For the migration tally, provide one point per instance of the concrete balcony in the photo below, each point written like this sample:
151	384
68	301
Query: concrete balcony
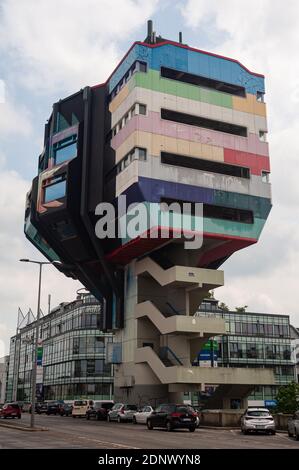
180	275
204	327
201	375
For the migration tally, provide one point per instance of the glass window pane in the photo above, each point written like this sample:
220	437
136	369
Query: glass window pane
142	154
55	191
142	109
65	153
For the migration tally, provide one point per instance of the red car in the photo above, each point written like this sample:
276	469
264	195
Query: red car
10	410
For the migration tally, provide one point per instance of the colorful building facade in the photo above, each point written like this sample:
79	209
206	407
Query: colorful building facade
172	124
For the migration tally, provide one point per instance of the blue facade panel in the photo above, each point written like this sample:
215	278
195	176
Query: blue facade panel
152	190
190	61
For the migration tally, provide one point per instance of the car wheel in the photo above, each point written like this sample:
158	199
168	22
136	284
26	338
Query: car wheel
118	419
245	432
134	420
149	425
19	417
108	419
88	417
273	433
192	428
169	426
296	434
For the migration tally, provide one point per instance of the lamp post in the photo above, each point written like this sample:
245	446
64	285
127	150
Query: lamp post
34	363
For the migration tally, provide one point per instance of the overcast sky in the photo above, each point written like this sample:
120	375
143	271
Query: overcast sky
50	49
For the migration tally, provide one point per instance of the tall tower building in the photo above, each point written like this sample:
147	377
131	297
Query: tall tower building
172	124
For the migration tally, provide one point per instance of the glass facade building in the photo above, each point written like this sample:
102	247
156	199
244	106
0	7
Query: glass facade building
73	352
260	340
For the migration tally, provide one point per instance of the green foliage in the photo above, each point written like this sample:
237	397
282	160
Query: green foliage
224	307
288	398
241	309
210	294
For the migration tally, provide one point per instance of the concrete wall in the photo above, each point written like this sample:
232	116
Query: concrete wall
232	418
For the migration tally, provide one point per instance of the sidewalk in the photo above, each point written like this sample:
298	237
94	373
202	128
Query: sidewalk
20	427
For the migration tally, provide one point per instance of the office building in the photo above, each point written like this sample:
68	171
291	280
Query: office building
71	360
172	124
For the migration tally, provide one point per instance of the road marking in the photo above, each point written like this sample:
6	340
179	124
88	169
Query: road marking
113	444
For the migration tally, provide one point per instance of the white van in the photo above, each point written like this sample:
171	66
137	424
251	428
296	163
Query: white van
79	408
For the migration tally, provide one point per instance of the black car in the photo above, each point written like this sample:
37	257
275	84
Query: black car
54	407
99	410
65	409
40	407
172	416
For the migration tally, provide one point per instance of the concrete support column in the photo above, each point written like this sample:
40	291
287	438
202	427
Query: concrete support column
175	397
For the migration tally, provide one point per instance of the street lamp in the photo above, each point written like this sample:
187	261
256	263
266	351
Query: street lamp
34	364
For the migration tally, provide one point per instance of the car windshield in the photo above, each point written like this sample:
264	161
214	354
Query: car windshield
107	406
258	413
80	403
131	407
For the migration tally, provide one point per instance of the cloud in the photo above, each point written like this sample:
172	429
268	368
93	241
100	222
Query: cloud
14	119
265	39
2	91
18	282
66	44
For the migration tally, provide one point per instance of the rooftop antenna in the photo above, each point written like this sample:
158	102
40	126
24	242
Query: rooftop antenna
180	37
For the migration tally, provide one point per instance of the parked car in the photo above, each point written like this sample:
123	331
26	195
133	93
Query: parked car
121	412
293	426
140	417
79	408
172	416
197	412
54	407
10	410
99	410
257	419
65	409
41	407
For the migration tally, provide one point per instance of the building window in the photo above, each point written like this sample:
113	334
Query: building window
260	96
142	109
204	165
65	149
202	81
55	191
137	66
228	213
265	177
206	123
263	136
137	153
136	109
214	212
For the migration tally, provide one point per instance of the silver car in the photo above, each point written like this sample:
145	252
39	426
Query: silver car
293	426
140	417
121	412
257	419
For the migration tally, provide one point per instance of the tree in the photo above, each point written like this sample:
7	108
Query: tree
288	398
210	294
241	309
224	307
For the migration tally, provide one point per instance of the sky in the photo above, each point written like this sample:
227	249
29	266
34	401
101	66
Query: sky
50	49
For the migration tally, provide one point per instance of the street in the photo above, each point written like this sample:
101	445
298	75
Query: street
69	433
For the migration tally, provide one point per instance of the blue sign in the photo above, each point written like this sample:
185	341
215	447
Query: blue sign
270	403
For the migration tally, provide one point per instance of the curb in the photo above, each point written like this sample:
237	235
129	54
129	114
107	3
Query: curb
22	428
